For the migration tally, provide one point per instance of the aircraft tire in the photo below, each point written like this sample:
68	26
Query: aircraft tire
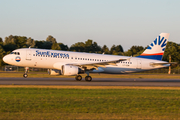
88	78
78	77
25	75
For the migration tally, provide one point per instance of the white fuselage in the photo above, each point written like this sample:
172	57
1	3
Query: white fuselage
42	58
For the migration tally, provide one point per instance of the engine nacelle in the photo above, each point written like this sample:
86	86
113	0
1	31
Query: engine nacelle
69	70
54	72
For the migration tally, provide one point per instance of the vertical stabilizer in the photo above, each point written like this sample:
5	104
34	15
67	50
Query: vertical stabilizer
156	49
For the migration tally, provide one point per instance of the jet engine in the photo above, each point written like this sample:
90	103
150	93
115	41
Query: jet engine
70	70
54	72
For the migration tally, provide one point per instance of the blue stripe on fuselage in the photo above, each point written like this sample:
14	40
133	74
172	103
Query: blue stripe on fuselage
155	57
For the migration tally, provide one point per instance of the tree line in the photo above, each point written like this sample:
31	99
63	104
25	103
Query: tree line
11	43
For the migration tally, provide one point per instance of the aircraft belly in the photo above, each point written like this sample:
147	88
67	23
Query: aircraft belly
120	70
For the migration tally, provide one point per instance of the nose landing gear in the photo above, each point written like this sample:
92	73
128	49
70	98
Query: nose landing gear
26	71
25	75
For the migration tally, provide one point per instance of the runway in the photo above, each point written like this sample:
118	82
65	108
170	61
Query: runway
94	82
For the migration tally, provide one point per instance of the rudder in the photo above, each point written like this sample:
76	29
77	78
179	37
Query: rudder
156	49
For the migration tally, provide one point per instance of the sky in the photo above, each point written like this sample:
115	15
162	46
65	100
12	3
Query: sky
107	22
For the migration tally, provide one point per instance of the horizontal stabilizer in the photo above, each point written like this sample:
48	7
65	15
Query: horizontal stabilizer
158	64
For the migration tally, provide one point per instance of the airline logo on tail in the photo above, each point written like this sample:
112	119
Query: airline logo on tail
156	49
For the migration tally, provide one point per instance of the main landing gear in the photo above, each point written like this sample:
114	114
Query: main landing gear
78	77
26	71
87	78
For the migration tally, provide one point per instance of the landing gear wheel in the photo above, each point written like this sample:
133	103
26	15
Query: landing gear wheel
78	77
25	75
88	78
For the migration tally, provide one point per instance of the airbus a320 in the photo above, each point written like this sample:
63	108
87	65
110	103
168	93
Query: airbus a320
76	63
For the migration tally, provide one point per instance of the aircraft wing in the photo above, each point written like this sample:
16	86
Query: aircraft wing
98	64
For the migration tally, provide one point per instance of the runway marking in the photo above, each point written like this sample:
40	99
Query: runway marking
88	87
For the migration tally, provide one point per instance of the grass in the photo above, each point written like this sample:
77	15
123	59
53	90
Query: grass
60	103
94	75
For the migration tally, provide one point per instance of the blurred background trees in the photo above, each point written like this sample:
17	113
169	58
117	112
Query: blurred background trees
116	50
88	46
11	43
134	51
172	49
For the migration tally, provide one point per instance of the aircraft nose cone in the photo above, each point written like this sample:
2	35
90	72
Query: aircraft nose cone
5	59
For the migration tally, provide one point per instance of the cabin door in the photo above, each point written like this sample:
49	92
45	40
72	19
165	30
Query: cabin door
139	64
28	54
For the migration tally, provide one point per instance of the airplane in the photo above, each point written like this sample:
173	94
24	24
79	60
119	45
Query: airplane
75	63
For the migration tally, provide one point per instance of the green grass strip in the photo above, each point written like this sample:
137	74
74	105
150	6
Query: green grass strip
61	103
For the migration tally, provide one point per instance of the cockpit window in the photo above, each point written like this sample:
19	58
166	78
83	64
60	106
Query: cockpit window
15	53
